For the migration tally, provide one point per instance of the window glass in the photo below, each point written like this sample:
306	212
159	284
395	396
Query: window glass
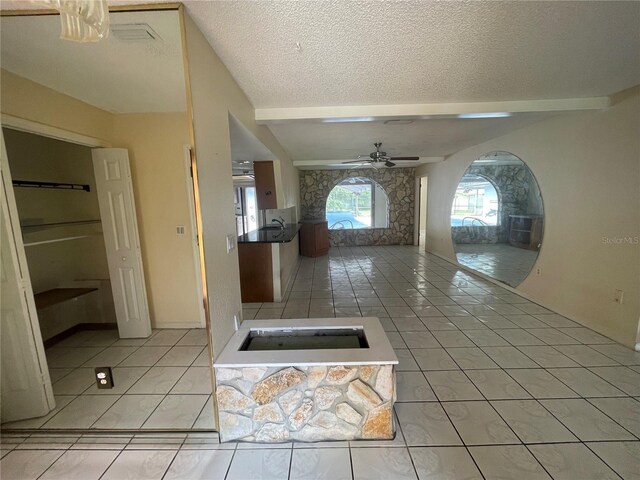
475	203
357	203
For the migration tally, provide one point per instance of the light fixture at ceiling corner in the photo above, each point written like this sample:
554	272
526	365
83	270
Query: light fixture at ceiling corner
347	119
81	20
399	121
485	115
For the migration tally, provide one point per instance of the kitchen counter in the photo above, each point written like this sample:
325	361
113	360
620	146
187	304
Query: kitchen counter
270	236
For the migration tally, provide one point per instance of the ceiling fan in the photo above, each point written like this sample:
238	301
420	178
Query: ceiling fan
379	159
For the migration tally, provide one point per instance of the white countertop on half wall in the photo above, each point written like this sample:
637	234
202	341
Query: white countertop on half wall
380	351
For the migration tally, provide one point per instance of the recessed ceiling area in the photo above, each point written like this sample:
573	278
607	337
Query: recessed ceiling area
422	138
117	74
245	148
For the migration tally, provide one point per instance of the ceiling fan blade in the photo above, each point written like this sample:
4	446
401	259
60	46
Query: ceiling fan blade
413	159
357	161
389	164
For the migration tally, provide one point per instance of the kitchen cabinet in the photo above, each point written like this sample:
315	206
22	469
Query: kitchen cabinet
256	272
314	238
265	185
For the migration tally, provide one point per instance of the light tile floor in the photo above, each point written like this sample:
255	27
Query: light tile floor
495	387
162	382
501	261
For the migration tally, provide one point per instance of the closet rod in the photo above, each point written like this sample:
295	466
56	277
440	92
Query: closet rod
55	185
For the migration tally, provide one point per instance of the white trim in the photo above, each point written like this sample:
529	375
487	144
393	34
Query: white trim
486	277
370	113
194	234
292	273
29	126
416	212
275	272
379	352
524	295
178	325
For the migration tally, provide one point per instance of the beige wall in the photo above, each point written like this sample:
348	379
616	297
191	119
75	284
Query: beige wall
25	99
155	142
215	94
588	168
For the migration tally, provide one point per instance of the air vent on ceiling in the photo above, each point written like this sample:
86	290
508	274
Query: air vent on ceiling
134	32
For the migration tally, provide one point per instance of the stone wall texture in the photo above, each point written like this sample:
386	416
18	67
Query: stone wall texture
308	404
399	185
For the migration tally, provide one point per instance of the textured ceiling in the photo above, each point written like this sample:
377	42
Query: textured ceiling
384	52
115	75
355	53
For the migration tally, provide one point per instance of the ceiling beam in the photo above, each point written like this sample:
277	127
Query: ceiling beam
370	113
333	163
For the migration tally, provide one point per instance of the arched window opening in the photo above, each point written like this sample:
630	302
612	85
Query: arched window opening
355	203
476	203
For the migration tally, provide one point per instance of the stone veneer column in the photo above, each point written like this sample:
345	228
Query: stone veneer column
306	403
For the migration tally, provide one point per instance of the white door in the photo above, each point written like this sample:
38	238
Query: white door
120	227
24	375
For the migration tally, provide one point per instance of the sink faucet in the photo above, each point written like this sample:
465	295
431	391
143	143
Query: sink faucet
280	222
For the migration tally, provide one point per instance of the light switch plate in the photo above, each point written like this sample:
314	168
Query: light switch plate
231	242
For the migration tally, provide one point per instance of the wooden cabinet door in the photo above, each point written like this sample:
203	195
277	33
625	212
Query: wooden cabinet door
265	185
321	238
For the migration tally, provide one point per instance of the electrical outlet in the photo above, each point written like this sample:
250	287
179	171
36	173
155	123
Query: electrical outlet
619	297
538	271
180	230
104	378
231	242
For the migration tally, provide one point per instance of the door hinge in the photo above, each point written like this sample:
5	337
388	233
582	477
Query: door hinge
191	170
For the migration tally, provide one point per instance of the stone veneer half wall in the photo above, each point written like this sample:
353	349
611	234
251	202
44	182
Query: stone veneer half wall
308	404
399	185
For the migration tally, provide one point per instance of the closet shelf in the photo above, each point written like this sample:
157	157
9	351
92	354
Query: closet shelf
53	185
59	295
56	240
60	224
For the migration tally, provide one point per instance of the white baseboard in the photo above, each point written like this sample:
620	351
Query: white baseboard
292	275
178	325
525	295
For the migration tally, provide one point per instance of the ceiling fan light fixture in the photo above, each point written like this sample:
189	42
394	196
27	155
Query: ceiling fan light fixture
399	121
